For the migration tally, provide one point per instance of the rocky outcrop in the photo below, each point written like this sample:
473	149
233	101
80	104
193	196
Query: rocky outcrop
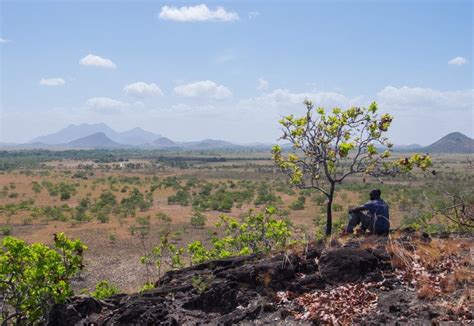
227	291
340	285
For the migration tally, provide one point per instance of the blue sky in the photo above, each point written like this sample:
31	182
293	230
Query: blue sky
228	70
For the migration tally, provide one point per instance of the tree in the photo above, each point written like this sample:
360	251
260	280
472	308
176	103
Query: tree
327	148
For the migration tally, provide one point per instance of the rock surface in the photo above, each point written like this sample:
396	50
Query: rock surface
253	289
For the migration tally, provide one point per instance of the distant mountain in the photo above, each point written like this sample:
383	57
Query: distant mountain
27	146
411	147
95	141
73	132
163	142
208	144
136	136
454	142
102	136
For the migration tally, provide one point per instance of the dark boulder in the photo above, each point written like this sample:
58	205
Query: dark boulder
342	265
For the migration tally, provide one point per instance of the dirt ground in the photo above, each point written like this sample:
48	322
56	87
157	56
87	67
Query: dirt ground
113	252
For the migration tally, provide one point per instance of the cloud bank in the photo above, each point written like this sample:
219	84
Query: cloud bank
198	13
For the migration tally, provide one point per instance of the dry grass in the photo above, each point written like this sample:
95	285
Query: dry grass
436	268
427	292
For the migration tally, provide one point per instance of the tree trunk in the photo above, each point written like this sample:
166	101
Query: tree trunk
329	211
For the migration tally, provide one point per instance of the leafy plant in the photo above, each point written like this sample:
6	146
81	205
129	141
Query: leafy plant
36	187
201	283
6	230
198	219
34	277
104	289
163	253
147	286
299	203
165	218
258	232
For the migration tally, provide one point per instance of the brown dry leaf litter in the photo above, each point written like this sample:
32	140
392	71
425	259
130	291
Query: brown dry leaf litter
338	306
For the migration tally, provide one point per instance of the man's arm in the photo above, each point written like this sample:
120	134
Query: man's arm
358	209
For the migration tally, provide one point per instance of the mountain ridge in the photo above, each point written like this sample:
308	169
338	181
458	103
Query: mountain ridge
135	136
454	142
74	136
98	140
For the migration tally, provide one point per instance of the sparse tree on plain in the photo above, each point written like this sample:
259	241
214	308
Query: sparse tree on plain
329	147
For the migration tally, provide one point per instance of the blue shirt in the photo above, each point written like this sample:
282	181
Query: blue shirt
379	209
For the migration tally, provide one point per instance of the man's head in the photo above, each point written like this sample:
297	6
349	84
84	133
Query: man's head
375	194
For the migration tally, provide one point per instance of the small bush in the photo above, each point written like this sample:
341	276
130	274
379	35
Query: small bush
198	219
297	205
104	289
6	230
163	217
65	196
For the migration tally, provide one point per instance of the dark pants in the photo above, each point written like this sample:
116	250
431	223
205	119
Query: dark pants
366	222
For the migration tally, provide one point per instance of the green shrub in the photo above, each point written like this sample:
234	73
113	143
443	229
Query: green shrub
319	200
182	197
143	227
135	200
103	290
102	216
13	195
198	219
38	277
65	196
265	196
260	232
146	287
297	205
163	217
6	230
36	187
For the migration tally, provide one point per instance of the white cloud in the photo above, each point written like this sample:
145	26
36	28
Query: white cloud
203	88
92	60
52	81
3	40
262	84
283	98
458	61
409	98
253	14
106	104
198	13
142	89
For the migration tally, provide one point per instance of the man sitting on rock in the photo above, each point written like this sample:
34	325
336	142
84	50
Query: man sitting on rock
372	216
